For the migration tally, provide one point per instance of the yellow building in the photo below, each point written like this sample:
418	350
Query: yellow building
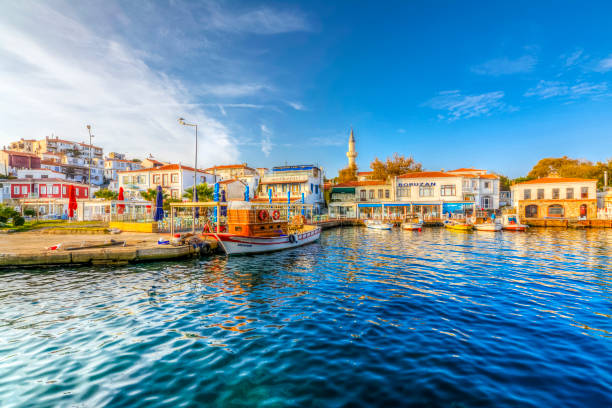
556	197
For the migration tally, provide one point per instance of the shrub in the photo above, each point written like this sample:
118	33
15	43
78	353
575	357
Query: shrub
18	221
29	212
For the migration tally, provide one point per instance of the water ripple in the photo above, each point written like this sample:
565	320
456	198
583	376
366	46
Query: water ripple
363	318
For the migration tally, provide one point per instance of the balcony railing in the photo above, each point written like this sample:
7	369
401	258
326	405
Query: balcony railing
284	178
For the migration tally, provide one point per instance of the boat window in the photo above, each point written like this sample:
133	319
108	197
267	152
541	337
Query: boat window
238	228
555	210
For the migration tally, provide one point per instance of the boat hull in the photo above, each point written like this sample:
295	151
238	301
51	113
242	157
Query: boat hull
515	227
412	226
488	227
459	227
234	244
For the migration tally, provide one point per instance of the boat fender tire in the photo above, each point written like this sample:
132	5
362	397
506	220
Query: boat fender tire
292	238
276	215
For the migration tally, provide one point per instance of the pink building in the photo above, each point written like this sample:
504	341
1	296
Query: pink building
44	188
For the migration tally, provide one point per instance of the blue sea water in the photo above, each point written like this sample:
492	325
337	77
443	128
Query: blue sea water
361	318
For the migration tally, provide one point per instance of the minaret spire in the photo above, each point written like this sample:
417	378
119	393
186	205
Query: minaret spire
351	154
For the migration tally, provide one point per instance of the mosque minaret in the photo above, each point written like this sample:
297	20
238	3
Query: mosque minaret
351	154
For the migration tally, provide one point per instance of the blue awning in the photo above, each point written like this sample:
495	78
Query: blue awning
368	205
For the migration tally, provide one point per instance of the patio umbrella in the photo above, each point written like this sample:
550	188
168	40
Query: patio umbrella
303	210
120	207
72	202
159	205
195	200
270	196
246	193
288	204
224	208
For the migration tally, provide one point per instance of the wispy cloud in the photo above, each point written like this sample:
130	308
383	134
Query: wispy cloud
296	105
232	90
338	140
605	64
573	58
261	20
506	66
458	106
266	140
59	80
552	89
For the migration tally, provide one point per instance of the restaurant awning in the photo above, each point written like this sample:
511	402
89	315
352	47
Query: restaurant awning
347	190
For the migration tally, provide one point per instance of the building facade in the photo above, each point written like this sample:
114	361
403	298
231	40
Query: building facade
115	163
173	178
11	161
43	188
293	181
556	197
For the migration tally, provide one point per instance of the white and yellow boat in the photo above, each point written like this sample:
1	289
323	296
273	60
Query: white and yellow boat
458	226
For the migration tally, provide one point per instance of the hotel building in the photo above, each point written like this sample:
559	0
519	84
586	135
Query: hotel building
174	179
294	180
556	197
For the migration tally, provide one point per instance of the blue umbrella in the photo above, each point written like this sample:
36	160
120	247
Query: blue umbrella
270	196
224	208
288	203
216	199
195	199
246	193
159	205
303	210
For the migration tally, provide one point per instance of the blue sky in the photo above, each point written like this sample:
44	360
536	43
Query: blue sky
487	84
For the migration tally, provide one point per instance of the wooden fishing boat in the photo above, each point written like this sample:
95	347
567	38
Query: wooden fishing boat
412	223
458	226
510	222
488	226
256	228
377	224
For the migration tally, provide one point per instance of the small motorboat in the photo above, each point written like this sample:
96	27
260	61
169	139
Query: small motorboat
510	222
378	224
412	223
488	226
458	225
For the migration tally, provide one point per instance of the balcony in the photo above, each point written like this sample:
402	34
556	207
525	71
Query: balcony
284	178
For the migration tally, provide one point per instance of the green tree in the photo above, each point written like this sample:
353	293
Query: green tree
29	212
568	167
106	194
347	174
151	195
205	193
8	213
394	166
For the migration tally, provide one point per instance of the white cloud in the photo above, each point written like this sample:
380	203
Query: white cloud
573	58
458	106
232	90
266	142
605	64
552	89
57	75
296	105
505	66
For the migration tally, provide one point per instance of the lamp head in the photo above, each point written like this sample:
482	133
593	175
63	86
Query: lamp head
88	127
181	121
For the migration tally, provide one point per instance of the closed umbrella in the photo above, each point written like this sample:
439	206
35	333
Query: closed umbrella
72	202
224	208
303	209
158	215
195	200
120	207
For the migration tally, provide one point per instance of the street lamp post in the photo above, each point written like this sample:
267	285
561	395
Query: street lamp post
90	136
195	170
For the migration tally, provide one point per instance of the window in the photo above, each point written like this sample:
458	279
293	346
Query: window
15	189
142	179
311	187
466	184
387	195
126	179
569	193
24	189
486	202
317	189
555	194
44	176
555	210
43	189
55	190
426	191
29	176
584	192
63	189
175	178
174	193
540	193
156	179
403	192
380	193
448	190
527	194
371	194
362	195
165	179
77	191
284	188
487	184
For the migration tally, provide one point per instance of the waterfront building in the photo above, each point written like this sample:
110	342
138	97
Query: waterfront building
41	173
298	179
242	172
173	178
12	160
556	197
41	188
116	162
360	199
234	189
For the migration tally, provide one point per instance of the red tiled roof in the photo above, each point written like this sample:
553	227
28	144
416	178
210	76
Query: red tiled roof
466	169
20	153
364	173
431	174
230	166
43	180
548	180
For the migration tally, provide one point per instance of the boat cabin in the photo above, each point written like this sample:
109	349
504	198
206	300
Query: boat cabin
249	219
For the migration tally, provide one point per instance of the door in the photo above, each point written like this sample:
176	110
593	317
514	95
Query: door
531	211
583	211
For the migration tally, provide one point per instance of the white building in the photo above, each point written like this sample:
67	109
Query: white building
41	173
113	164
298	180
174	179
